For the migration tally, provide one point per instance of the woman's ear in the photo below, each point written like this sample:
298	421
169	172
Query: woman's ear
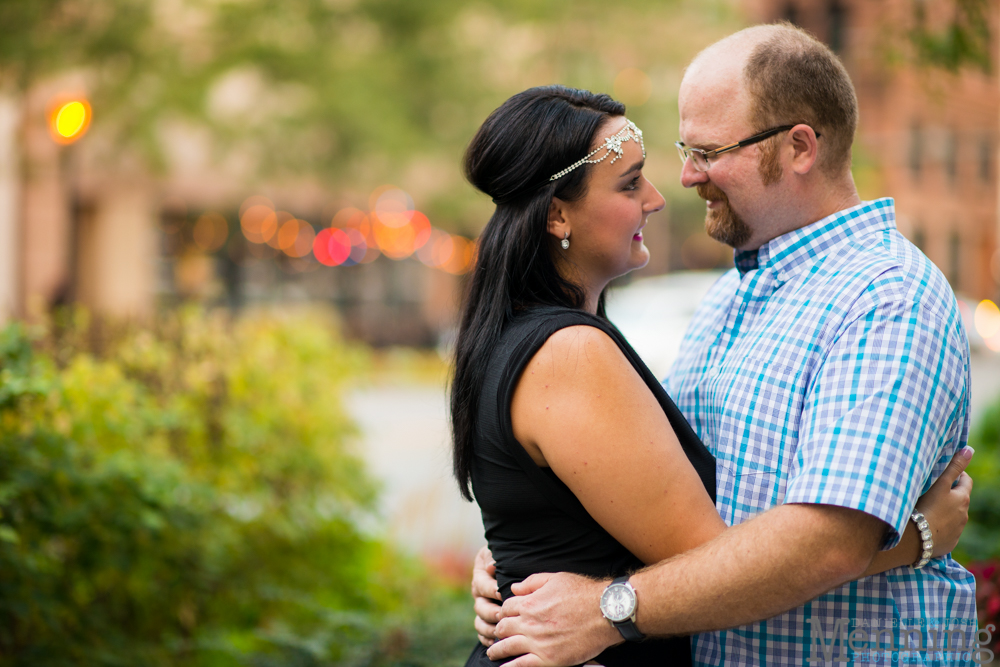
558	225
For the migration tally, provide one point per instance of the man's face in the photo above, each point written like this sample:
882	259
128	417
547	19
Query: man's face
713	114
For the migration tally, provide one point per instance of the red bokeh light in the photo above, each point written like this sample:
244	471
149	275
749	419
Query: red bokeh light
332	246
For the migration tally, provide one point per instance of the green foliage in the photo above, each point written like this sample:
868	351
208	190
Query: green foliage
964	41
981	538
182	495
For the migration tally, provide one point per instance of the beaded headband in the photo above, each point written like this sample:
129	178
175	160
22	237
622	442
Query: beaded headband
612	143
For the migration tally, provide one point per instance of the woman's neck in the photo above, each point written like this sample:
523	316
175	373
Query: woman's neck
591	291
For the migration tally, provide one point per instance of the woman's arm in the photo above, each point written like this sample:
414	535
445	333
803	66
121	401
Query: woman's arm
947	511
582	409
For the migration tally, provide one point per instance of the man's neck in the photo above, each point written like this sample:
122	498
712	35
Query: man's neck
810	206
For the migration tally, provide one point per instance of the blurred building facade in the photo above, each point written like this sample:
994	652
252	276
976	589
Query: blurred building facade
927	137
120	241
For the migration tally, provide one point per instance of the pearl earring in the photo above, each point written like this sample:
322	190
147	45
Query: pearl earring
565	242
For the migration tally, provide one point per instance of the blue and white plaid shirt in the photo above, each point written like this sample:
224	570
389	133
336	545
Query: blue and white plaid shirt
831	367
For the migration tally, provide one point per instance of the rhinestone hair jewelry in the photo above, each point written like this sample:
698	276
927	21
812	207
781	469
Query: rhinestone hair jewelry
611	144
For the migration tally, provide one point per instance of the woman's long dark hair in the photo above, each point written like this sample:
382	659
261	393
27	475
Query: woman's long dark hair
531	136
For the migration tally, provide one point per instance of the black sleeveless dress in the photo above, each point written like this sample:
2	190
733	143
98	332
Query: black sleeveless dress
533	521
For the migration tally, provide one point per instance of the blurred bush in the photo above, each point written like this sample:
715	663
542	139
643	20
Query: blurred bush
182	494
981	539
979	548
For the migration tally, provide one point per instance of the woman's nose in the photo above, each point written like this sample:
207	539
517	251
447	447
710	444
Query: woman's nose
655	202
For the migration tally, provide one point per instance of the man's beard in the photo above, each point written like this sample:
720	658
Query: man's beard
722	223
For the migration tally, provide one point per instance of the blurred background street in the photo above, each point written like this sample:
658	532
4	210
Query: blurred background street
234	235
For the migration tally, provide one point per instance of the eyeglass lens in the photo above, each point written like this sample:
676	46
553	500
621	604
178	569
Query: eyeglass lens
698	158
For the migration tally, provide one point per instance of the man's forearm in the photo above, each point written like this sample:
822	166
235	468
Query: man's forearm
759	569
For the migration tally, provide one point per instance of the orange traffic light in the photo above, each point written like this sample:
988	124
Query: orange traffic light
69	120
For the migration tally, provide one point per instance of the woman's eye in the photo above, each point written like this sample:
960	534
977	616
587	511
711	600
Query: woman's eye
634	183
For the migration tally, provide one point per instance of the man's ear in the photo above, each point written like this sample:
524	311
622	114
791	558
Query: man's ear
558	224
805	148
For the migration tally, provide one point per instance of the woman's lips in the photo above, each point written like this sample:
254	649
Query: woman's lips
637	236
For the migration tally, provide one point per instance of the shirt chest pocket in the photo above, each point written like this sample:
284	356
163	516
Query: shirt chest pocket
757	435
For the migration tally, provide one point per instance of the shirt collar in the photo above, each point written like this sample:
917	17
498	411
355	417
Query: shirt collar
787	254
746	261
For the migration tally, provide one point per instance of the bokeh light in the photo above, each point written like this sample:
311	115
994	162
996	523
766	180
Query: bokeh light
332	246
69	120
192	273
462	256
280	218
210	232
394	242
426	253
258	220
255	200
448	252
359	246
987	319
391	227
633	87
392	205
350	217
295	237
357	225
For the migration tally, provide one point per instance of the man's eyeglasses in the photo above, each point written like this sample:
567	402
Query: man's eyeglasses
701	158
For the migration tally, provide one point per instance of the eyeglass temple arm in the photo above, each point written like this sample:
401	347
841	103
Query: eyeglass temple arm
751	140
723	149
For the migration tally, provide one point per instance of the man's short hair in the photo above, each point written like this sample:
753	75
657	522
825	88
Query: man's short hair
792	77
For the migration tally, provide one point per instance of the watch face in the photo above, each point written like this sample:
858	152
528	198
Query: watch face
618	602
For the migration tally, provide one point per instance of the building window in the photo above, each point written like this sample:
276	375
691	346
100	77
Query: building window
951	156
916	151
955	260
985	159
837	21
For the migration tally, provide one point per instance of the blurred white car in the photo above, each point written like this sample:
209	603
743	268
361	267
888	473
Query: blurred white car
653	313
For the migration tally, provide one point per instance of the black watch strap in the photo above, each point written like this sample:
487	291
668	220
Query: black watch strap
627	627
629	631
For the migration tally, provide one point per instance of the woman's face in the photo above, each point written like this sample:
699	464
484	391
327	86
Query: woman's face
605	225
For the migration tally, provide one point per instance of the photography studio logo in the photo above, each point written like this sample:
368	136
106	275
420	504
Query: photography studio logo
899	641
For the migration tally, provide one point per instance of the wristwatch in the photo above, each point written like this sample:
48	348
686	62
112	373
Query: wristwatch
619	604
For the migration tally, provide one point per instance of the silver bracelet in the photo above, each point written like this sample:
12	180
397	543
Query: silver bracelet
926	536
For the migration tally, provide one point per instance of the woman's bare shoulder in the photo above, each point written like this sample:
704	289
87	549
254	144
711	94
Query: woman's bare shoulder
577	351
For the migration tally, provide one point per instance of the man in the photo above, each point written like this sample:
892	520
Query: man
828	373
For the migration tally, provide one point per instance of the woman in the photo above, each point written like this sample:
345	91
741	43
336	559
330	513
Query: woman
578	459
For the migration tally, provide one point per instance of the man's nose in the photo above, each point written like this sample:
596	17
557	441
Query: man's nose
690	176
